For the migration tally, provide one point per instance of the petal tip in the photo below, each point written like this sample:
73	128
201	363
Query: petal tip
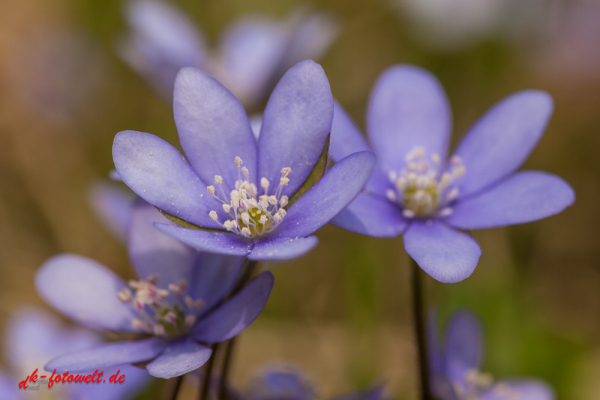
408	71
123	135
313	73
445	254
48	267
570	196
186	73
123	140
535	98
310	64
269	278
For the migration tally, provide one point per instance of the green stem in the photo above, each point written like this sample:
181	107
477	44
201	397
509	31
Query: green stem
418	311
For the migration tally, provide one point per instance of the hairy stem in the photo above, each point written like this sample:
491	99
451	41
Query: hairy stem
205	389
418	312
225	370
175	386
248	271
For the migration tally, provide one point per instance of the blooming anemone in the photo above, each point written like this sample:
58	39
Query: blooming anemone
170	314
283	381
243	188
113	206
417	191
250	55
33	337
456	367
452	25
57	73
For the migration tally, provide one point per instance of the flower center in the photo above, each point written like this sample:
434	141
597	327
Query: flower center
251	215
476	382
420	189
161	312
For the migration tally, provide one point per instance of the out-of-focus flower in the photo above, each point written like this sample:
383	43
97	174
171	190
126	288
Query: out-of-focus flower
113	206
33	337
287	382
58	73
454	24
419	192
569	44
456	366
251	54
216	136
173	310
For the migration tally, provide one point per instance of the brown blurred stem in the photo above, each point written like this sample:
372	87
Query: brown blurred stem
205	389
225	370
247	273
175	386
418	312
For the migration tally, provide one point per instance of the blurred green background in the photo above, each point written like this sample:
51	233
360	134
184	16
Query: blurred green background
341	312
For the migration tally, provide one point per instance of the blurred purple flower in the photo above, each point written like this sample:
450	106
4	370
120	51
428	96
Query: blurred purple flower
34	336
450	25
417	192
175	309
569	43
113	206
57	72
286	382
216	136
251	54
455	367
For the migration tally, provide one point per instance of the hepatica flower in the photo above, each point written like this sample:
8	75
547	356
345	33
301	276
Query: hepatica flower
58	73
283	381
171	313
451	25
420	192
252	52
235	184
113	206
456	367
567	44
33	336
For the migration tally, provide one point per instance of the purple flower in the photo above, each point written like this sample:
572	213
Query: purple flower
215	134
283	381
32	337
566	49
453	25
113	206
417	191
57	73
456	366
174	309
250	55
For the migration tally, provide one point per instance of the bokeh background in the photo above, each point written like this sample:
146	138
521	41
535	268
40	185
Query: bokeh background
341	312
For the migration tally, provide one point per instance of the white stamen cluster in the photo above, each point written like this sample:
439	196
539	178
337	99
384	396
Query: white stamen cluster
251	215
476	382
161	312
421	189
